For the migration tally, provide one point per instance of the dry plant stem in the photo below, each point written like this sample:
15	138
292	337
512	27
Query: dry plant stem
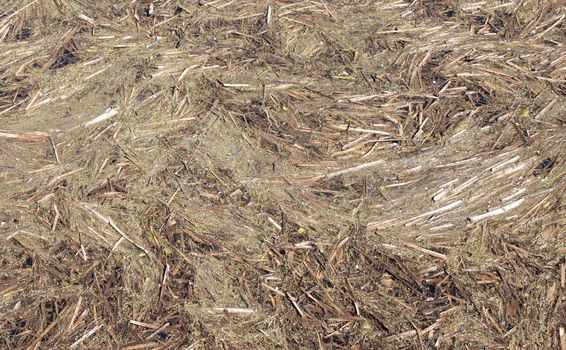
282	174
498	211
115	227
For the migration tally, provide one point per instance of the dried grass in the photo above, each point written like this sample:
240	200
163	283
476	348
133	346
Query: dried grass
282	174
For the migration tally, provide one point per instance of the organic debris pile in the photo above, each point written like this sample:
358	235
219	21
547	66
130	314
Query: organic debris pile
327	174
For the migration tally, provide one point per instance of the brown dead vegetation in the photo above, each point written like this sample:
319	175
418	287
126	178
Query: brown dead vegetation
225	174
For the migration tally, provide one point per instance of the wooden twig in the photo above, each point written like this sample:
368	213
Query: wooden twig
232	310
26	136
110	112
116	228
295	305
426	251
350	170
85	336
498	211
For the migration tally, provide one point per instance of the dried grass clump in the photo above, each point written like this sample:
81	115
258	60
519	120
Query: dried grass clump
282	175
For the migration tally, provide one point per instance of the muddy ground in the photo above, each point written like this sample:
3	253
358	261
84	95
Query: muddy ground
282	174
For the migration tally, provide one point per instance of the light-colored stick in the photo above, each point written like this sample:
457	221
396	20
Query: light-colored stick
504	163
232	310
116	228
274	223
498	211
426	251
26	136
518	193
294	302
86	335
110	112
443	209
157	331
143	324
351	170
